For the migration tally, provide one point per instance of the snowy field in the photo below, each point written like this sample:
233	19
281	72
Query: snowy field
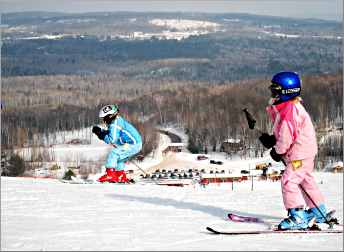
45	214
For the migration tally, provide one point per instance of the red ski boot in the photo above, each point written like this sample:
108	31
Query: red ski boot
109	176
122	177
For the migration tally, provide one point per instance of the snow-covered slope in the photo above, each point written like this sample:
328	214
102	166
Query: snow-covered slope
44	214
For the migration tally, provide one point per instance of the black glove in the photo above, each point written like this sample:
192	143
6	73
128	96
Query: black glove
96	130
275	156
267	140
99	132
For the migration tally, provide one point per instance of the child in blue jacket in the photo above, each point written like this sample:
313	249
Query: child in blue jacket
125	139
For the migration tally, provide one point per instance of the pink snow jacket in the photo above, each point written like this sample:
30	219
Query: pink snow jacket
294	131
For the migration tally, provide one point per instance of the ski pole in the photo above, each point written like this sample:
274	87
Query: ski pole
134	163
310	198
322	215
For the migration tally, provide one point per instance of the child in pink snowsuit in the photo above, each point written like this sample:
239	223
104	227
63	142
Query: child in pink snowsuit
294	141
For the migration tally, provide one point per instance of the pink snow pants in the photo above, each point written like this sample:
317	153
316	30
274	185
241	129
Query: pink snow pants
293	196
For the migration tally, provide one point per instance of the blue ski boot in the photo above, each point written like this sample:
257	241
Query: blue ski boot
314	213
297	220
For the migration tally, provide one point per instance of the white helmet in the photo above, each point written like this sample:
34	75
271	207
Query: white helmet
108	112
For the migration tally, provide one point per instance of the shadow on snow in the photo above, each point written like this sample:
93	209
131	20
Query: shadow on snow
178	204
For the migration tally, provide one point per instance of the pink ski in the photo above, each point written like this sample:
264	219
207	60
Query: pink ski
240	218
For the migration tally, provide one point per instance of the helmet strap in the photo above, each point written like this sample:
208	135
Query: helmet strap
272	101
108	119
277	101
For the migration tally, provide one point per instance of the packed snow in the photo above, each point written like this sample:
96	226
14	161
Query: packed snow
45	214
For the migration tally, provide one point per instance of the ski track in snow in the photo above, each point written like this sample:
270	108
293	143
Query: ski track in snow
39	214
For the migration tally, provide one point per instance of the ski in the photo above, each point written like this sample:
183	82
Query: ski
88	181
78	181
241	218
273	231
91	182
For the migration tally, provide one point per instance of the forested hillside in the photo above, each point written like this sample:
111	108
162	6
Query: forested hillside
209	113
197	71
214	58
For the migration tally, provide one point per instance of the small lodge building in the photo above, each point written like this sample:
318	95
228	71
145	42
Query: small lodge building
232	145
263	166
336	167
173	147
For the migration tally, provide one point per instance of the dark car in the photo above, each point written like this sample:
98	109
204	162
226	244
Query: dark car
216	162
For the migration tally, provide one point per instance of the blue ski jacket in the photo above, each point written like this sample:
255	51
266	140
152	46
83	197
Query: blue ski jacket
121	132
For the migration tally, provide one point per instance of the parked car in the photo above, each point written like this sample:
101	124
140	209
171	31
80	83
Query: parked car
216	162
202	157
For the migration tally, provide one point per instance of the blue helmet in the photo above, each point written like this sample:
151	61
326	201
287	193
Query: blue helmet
285	86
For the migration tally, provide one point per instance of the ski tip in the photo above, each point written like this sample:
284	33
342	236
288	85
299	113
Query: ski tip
212	230
239	218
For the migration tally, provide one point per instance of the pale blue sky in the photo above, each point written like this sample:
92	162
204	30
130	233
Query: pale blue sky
323	9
